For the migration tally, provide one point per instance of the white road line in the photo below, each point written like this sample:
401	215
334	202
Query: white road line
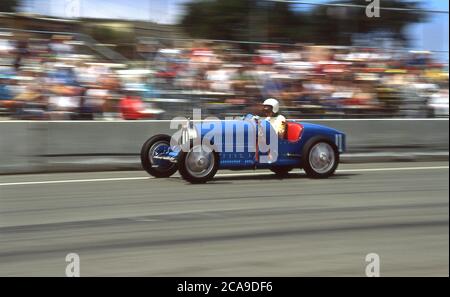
74	181
218	175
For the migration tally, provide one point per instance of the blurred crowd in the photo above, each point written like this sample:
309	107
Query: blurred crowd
49	79
52	78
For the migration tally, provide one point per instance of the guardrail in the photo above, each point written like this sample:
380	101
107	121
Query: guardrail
36	146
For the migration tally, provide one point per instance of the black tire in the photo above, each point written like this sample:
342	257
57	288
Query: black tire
281	171
186	174
309	168
146	161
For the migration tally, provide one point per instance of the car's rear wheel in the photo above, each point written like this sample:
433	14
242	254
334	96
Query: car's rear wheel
320	158
156	167
199	164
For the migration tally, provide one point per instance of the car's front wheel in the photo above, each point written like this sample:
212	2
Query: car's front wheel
320	158
199	164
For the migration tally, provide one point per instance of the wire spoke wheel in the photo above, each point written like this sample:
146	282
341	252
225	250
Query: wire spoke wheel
321	157
199	163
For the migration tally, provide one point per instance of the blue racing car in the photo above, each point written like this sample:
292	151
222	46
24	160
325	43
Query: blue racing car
199	149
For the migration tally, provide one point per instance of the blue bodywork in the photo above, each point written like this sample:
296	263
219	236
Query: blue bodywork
239	151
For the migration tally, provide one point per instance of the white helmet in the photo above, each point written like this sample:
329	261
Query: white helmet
274	103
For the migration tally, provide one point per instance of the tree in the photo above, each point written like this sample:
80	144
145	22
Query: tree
239	20
278	21
8	5
337	25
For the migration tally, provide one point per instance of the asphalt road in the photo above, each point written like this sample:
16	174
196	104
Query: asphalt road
241	224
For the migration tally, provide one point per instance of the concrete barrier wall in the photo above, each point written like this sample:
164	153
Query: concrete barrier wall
20	145
370	135
30	146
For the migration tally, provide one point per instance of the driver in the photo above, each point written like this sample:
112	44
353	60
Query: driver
277	121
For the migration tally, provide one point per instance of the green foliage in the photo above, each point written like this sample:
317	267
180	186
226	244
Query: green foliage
8	5
336	25
109	34
239	20
277	21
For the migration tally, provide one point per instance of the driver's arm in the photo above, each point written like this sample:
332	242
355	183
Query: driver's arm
250	117
280	124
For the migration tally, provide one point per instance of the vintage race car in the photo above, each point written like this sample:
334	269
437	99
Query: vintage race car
198	150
